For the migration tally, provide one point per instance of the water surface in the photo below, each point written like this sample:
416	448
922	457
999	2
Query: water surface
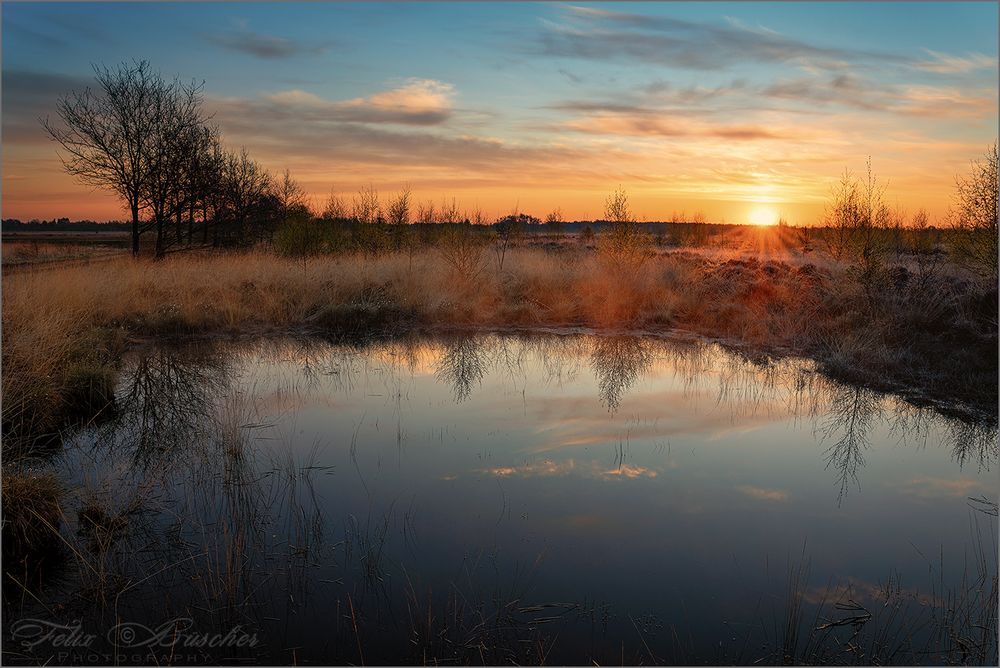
502	498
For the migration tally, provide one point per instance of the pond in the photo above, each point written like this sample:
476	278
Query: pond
501	498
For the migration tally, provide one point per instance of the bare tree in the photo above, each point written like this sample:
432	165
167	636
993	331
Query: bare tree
366	205
176	128
476	216
201	174
335	207
975	215
398	212
616	209
554	220
625	247
426	212
448	212
113	138
505	231
245	186
858	218
290	194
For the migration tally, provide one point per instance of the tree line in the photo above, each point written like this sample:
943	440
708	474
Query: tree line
149	140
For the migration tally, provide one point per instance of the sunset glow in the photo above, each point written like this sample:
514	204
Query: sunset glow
762	215
713	108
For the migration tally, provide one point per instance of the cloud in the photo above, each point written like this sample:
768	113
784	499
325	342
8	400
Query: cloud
942	63
417	102
646	123
30	95
573	78
378	132
264	46
911	100
607	35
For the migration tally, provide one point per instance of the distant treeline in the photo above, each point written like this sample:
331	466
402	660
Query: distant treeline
534	227
62	225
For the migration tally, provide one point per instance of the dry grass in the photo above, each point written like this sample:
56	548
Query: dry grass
54	321
31	512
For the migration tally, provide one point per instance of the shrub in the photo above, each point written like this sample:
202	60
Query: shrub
300	236
31	512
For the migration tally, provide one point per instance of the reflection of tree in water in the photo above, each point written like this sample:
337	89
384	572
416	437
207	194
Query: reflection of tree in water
973	442
187	446
852	411
969	440
618	362
168	402
463	364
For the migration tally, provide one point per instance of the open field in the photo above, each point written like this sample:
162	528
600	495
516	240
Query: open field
32	249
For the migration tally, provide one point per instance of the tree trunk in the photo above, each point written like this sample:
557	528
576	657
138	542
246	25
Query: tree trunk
159	235
191	224
178	227
204	221
135	230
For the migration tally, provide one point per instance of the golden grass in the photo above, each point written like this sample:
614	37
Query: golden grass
50	317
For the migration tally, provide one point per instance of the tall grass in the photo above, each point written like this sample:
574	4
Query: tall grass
64	327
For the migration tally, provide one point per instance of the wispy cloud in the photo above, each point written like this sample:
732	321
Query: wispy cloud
264	46
392	136
30	95
943	63
643	123
602	34
912	100
416	102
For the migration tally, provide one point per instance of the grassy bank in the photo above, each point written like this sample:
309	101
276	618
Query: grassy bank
64	328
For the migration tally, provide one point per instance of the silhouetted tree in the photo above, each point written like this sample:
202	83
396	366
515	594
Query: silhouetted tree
399	208
335	208
366	208
178	125
115	137
245	189
290	194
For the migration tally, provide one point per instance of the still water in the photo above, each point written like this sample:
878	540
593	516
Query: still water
501	498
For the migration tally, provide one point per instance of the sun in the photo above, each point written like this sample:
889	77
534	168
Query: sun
763	215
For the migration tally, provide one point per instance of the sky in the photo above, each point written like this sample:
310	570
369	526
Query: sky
741	111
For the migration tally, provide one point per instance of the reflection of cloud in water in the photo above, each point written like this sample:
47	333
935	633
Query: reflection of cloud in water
548	468
630	471
762	494
572	421
544	468
931	488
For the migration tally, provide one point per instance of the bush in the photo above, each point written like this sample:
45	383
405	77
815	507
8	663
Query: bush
300	236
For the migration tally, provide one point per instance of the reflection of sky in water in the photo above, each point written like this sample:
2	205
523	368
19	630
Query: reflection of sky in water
670	479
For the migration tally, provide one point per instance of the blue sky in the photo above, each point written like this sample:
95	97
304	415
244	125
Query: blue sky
711	106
